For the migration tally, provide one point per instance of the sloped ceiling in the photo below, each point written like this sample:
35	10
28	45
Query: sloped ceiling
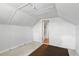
69	12
28	15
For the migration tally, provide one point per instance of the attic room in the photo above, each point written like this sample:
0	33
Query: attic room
39	29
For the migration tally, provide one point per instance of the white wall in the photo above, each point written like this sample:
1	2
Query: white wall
37	32
61	33
11	36
77	39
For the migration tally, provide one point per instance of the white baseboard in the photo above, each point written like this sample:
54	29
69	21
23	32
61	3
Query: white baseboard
13	47
77	52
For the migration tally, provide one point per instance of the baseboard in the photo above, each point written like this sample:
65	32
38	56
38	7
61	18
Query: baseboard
77	52
13	47
4	50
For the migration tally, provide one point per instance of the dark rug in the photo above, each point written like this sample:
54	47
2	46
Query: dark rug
48	50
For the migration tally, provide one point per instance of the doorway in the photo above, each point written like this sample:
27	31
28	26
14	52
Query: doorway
45	32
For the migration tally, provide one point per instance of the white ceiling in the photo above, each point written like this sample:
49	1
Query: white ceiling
15	4
27	16
31	14
69	12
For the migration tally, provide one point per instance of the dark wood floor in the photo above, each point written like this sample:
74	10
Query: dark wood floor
50	51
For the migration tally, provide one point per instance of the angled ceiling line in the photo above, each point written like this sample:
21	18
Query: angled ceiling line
46	8
17	9
66	19
31	14
56	9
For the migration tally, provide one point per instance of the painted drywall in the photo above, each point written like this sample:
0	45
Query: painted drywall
9	15
68	11
61	33
11	36
37	32
77	39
